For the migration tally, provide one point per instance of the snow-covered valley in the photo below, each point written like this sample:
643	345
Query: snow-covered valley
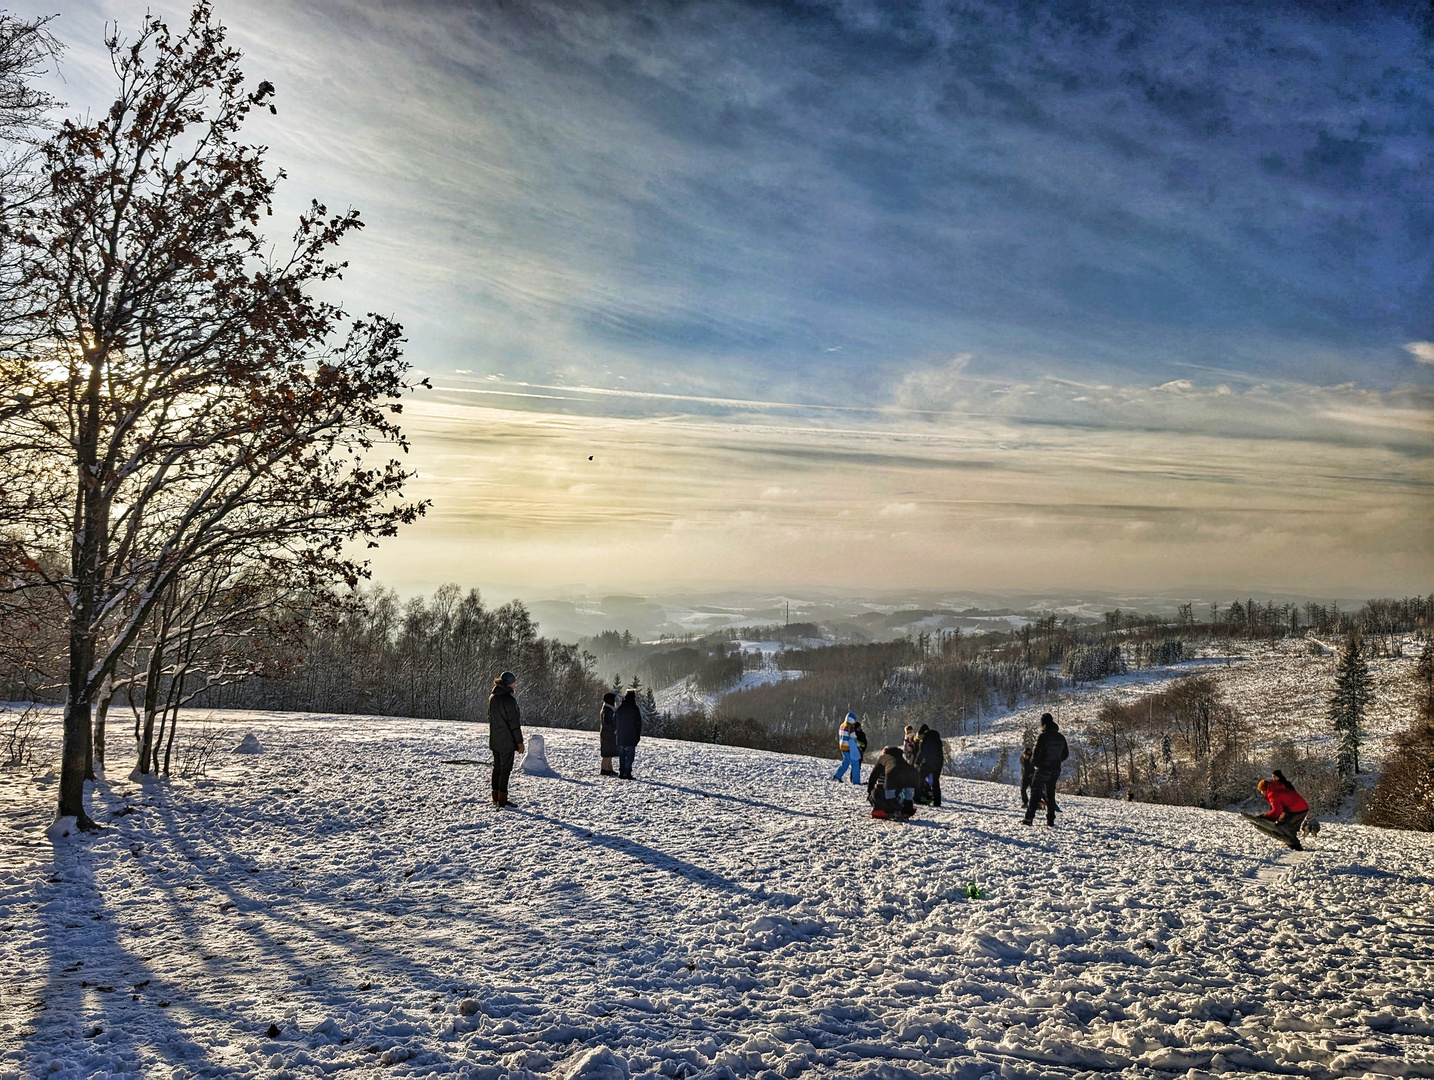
730	913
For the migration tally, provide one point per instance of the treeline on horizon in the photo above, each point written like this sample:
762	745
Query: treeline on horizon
370	653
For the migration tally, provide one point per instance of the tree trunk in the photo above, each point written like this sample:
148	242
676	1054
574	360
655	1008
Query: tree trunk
107	691
151	705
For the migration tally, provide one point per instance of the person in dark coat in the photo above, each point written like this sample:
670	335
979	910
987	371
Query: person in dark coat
891	788
1028	775
607	733
1046	757
628	721
930	760
505	736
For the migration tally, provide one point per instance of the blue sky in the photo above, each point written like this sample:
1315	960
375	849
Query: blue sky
978	294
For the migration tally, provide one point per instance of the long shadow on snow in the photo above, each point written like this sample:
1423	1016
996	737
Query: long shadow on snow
660	859
77	897
736	799
292	958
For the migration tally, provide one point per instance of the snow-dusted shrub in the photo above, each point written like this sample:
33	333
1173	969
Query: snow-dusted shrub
1404	796
1093	662
1161	653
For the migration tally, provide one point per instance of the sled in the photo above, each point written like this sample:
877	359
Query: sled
1270	828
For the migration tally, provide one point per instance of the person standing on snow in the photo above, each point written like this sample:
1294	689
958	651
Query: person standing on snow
930	760
850	746
1288	810
908	743
1046	757
505	736
627	720
607	733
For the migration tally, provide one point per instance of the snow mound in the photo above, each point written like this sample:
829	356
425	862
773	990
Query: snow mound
535	761
63	827
250	745
599	1063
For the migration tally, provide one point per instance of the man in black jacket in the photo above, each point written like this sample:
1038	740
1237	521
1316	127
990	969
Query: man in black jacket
628	720
505	737
1050	750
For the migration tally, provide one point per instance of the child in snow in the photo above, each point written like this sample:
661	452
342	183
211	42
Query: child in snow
850	746
607	733
892	787
908	743
1287	813
1028	776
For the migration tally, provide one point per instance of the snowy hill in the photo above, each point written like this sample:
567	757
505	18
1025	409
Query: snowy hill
731	913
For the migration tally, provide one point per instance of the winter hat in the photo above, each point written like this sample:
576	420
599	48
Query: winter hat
610	698
851	718
631	696
896	752
508	677
1262	786
1047	720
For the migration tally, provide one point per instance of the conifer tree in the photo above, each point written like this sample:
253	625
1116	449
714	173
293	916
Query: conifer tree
1353	689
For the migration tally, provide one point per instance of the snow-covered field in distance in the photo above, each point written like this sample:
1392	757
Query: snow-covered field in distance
1278	688
730	913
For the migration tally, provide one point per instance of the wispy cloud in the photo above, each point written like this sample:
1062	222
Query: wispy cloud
1016	293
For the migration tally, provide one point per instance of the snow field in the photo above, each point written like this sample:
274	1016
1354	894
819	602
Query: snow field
730	913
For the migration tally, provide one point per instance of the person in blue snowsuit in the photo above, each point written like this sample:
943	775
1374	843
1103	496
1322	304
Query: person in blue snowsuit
851	741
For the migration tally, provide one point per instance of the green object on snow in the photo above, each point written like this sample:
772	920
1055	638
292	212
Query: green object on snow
973	891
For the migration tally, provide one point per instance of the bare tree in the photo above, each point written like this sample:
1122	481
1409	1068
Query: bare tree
204	400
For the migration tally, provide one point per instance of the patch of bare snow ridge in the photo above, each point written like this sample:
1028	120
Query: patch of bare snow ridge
732	913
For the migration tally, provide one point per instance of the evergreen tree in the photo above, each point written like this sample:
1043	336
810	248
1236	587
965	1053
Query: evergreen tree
1353	689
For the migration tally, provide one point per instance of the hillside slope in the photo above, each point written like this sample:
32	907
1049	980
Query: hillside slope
731	913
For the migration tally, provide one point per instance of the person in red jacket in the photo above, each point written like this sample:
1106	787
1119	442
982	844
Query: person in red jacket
1287	812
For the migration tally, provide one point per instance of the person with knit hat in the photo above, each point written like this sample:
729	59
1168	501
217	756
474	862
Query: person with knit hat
850	747
505	735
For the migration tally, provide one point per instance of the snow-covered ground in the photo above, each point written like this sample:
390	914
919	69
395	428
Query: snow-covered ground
731	913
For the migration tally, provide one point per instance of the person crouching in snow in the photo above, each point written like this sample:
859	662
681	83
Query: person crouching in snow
607	734
850	745
628	720
1287	813
891	790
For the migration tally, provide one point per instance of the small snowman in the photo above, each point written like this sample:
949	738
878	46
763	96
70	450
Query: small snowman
535	762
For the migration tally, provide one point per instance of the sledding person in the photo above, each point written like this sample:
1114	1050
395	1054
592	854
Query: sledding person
505	737
1046	757
627	720
929	761
607	734
891	789
1287	813
1028	776
851	742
